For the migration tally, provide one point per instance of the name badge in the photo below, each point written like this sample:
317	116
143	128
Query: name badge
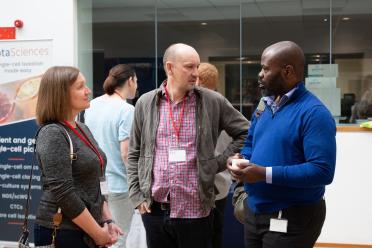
278	224
177	155
104	187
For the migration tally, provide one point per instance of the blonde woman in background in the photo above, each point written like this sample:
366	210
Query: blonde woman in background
208	78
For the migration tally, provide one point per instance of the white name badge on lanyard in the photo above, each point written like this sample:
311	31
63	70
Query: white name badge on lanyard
177	155
278	224
104	187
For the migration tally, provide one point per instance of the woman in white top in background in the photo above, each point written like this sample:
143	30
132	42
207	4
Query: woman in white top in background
110	119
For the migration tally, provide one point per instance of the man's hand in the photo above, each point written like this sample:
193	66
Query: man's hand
250	173
144	208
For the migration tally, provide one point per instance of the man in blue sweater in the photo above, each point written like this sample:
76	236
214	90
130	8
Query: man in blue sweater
291	150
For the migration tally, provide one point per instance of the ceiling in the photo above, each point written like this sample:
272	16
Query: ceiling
204	10
118	25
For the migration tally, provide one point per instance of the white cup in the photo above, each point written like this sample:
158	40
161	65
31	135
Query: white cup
236	162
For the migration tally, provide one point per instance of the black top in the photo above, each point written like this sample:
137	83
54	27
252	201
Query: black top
72	187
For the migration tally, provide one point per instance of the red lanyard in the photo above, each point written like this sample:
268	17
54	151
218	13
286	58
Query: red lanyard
177	130
86	140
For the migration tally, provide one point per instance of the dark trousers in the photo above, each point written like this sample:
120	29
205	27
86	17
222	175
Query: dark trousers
65	238
218	219
305	223
165	232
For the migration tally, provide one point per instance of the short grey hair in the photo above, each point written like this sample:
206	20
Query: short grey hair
169	54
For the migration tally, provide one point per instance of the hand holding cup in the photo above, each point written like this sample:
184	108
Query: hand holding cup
239	163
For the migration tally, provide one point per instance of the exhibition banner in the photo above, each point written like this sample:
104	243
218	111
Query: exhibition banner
22	64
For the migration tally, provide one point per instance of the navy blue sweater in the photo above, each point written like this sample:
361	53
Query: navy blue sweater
298	142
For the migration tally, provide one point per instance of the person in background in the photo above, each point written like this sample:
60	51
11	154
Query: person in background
208	78
69	183
291	148
362	110
172	160
110	120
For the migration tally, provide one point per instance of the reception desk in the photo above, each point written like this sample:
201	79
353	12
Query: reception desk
349	197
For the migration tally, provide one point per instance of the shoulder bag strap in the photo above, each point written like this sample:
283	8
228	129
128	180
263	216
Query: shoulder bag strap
25	222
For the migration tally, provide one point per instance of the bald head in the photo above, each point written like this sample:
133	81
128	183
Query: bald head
181	63
287	53
282	68
175	51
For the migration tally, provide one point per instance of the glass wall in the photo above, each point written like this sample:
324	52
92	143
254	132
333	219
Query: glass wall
267	22
232	34
124	32
352	52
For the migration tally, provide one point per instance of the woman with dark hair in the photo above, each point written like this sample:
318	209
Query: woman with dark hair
110	119
71	182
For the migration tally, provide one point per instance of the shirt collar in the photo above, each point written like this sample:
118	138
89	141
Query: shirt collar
270	100
162	90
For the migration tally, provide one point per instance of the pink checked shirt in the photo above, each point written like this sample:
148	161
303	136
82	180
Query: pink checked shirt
179	180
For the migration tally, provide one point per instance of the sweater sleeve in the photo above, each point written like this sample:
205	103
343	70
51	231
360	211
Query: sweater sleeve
53	149
319	147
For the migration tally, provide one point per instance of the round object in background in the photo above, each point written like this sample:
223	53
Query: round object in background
28	89
6	107
18	23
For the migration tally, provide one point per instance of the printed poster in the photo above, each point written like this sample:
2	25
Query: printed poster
22	63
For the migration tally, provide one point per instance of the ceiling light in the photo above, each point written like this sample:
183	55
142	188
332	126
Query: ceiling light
204	23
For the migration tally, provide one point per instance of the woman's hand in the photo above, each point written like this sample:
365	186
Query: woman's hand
114	231
104	237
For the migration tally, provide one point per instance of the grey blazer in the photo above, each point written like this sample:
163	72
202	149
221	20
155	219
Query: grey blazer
214	113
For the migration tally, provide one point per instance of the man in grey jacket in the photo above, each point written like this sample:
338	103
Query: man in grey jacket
172	164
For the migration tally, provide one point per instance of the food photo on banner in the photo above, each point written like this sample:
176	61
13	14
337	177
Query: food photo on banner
22	64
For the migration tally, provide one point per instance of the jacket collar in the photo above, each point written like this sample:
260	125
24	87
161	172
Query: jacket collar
160	92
